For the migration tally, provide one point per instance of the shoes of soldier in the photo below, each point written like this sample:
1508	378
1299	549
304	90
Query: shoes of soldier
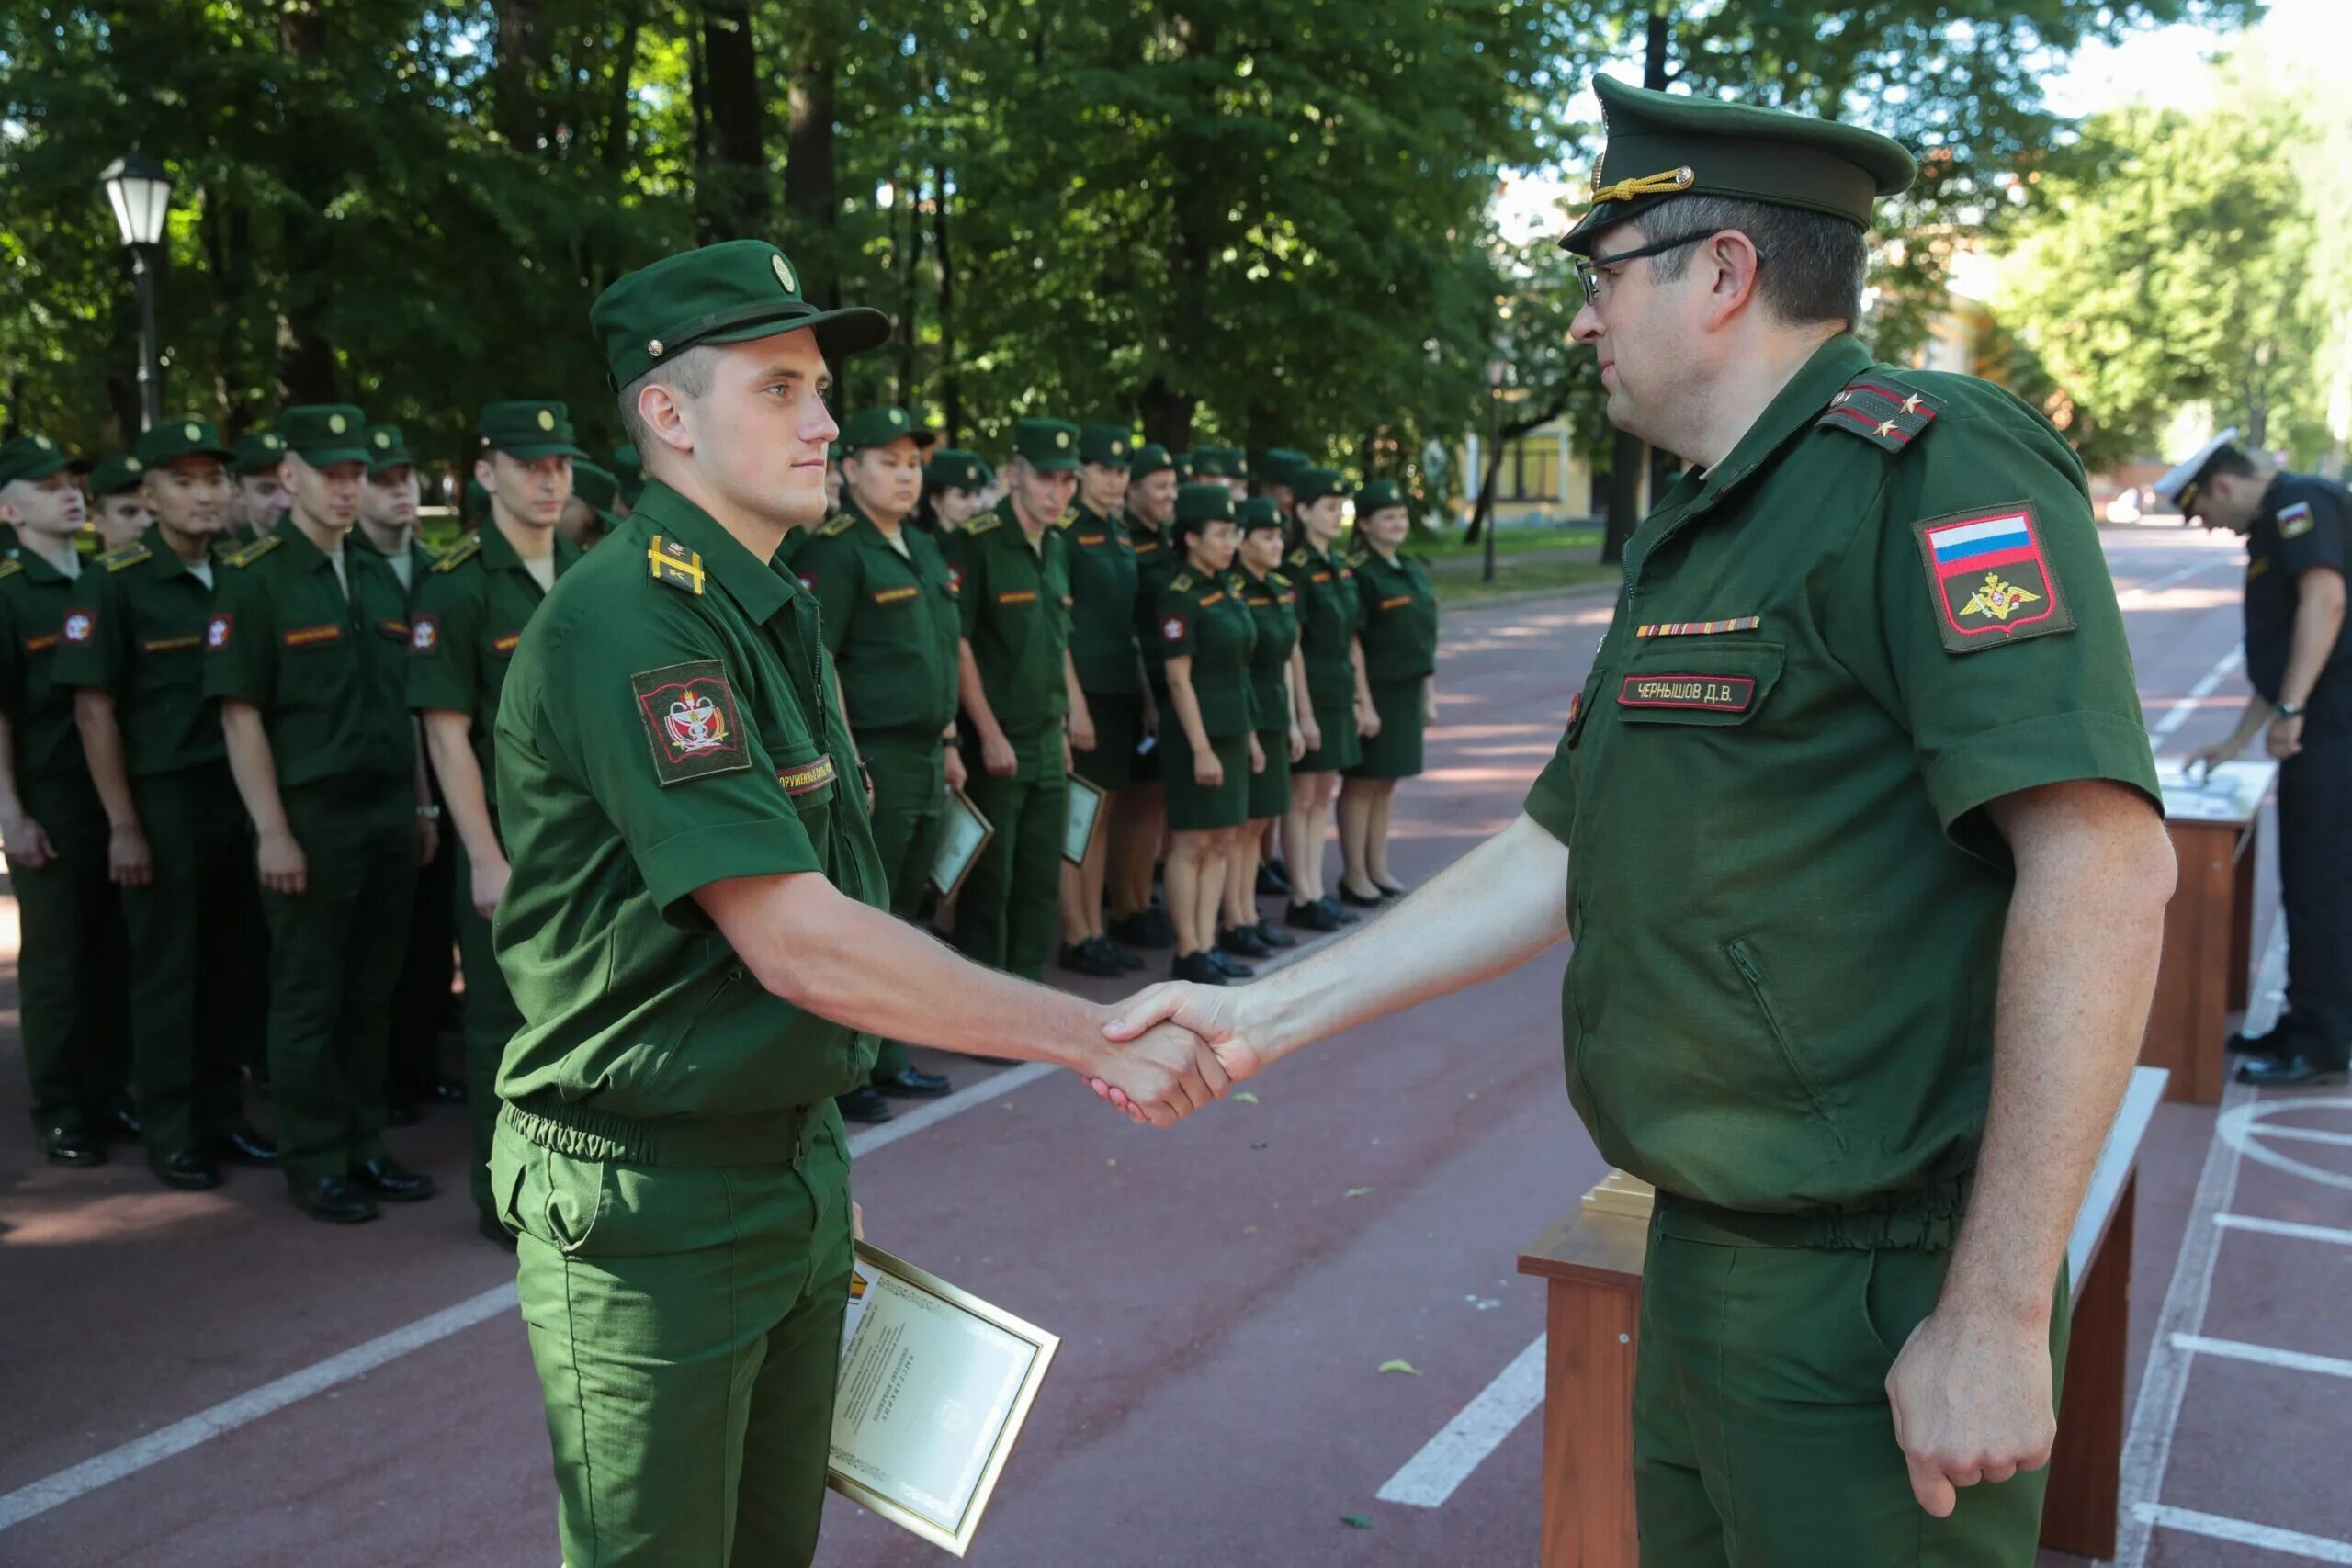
332	1198
1199	968
245	1146
2297	1068
1128	960
1273	937
392	1181
493	1232
1141	930
1332	907
121	1122
71	1145
185	1171
1089	958
913	1083
1232	968
1273	879
862	1104
1243	941
2278	1043
1355	900
1392	893
1312	918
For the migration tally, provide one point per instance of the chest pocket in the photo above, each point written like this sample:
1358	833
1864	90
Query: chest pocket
1694	681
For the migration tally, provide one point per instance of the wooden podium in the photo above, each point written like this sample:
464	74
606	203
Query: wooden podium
2208	927
1592	1261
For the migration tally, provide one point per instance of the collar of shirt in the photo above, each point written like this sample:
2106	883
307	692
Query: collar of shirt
166	560
1014	533
303	553
758	587
498	552
868	533
36	567
1790	411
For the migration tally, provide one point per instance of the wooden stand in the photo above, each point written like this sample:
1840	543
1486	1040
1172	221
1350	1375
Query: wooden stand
1593	1260
2208	928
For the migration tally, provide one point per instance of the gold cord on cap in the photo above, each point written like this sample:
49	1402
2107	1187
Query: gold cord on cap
1646	185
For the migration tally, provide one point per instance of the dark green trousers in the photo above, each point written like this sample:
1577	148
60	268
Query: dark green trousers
69	965
422	1005
1006	913
686	1327
1762	1434
199	986
490	1019
910	774
334	954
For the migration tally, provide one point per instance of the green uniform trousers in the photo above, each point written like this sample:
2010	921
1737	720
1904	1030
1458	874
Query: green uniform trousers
910	775
1762	1436
1009	903
491	1020
686	1326
199	986
335	954
422	1007
69	968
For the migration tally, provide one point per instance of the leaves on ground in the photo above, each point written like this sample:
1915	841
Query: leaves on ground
1356	1521
1400	1366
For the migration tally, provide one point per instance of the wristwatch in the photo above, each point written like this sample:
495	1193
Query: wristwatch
430	813
2288	710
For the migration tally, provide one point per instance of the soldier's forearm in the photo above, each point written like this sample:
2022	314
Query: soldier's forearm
251	764
102	750
449	739
2319	617
974	695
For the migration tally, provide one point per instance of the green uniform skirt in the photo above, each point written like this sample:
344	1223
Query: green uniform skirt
1118	725
1270	791
1191	807
1396	752
1341	748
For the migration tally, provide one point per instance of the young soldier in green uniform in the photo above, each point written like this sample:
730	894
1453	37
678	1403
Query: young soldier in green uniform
1139	812
1274	476
1106	715
596	508
177	845
1273	673
259	498
51	825
2298	530
118	501
697	935
1400	669
1016	684
306	651
892	626
951	485
1340	715
1226	467
1206	634
1855	823
470	612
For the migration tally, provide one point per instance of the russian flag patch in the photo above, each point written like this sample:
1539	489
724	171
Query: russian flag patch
1992	580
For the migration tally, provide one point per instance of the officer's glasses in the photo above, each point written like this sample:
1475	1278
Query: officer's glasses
1593	271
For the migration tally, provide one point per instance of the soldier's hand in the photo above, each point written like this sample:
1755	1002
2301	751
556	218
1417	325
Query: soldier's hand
2205	759
997	756
1207	771
1081	729
1367	720
284	869
428	840
958	776
1297	743
1972	1400
1257	755
2285	738
26	842
130	863
1212	1014
1311	733
490	886
1160	1076
856	1220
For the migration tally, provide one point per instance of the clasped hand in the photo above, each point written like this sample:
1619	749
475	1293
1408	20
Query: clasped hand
1173	1049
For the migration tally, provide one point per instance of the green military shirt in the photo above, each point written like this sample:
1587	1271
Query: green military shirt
37	616
466	617
1156	560
1273	609
326	670
891	623
1399	608
666	723
1886	607
143	644
1330	614
1015	600
420	558
1103	587
1204	619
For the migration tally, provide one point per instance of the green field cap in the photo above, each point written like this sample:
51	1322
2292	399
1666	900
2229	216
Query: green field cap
322	433
734	292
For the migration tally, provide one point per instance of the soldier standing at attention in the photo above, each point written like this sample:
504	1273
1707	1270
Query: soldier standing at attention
1106	716
1400	670
179	848
118	501
1857	829
259	498
1274	678
1139	812
1339	717
306	651
470	610
1016	684
953	482
894	630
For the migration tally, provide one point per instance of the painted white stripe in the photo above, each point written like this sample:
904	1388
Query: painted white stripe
2292	1134
26	1502
1967	534
2243	1532
2264	1355
2131	595
2186	707
1445	1462
2295	1229
904	1122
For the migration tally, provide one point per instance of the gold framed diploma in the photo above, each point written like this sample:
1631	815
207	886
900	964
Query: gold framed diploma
1085	816
964	833
936	1384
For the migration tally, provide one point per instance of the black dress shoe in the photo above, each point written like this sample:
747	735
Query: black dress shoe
1242	941
1392	894
333	1199
862	1104
1120	955
2296	1069
1232	968
2278	1043
494	1231
1355	900
1156	922
1085	958
1312	918
245	1146
1331	907
1273	879
1200	968
393	1182
1144	928
72	1147
121	1123
1273	937
185	1171
913	1083
448	1091
402	1113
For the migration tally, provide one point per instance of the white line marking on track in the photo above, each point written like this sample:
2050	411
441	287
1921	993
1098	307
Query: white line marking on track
2245	1129
2164	727
2307	1134
2167	580
1445	1462
2264	1355
2294	1543
2299	1231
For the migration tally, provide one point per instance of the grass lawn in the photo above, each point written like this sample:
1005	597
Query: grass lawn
1465	588
1557	535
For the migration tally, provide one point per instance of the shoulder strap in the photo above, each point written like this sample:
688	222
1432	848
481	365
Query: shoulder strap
461	552
1882	408
129	555
671	563
253	551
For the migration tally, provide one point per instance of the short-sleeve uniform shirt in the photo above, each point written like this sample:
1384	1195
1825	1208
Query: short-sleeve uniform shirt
143	644
1399	608
1273	610
1888	607
1015	599
1102	586
37	616
1155	562
891	623
1204	619
1330	615
2302	523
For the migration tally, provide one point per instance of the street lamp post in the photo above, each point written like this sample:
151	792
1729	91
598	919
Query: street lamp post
1497	372
140	191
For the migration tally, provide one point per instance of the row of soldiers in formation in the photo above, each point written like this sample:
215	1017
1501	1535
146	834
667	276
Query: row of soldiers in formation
261	665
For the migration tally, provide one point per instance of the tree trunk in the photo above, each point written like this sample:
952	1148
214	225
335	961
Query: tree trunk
1167	415
1629	454
615	153
951	380
810	204
517	63
732	187
305	357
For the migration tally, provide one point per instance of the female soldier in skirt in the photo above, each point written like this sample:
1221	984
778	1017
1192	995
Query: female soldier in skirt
1338	709
1273	607
1400	666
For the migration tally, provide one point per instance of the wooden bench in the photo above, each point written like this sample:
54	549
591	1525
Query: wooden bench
2215	825
1592	1261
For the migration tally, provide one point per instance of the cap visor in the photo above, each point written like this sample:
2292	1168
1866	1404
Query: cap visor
1054	464
1589	229
326	456
530	450
48	466
853	329
402	461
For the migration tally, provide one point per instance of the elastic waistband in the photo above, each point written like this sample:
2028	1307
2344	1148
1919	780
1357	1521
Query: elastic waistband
1925	1219
782	1137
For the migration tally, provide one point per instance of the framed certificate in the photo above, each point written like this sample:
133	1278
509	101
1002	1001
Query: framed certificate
936	1384
962	836
1085	815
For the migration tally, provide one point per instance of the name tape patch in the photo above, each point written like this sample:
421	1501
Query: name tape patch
807	778
306	637
1706	693
896	595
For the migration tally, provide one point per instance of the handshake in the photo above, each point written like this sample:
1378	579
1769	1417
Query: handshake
1169	1050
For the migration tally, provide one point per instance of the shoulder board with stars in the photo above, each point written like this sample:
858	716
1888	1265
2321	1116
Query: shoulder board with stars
1357	559
253	551
987	525
1298	559
1278	579
129	555
461	552
1881	409
1183	580
835	528
674	564
10	566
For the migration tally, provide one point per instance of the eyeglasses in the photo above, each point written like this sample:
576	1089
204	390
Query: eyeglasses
1590	268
